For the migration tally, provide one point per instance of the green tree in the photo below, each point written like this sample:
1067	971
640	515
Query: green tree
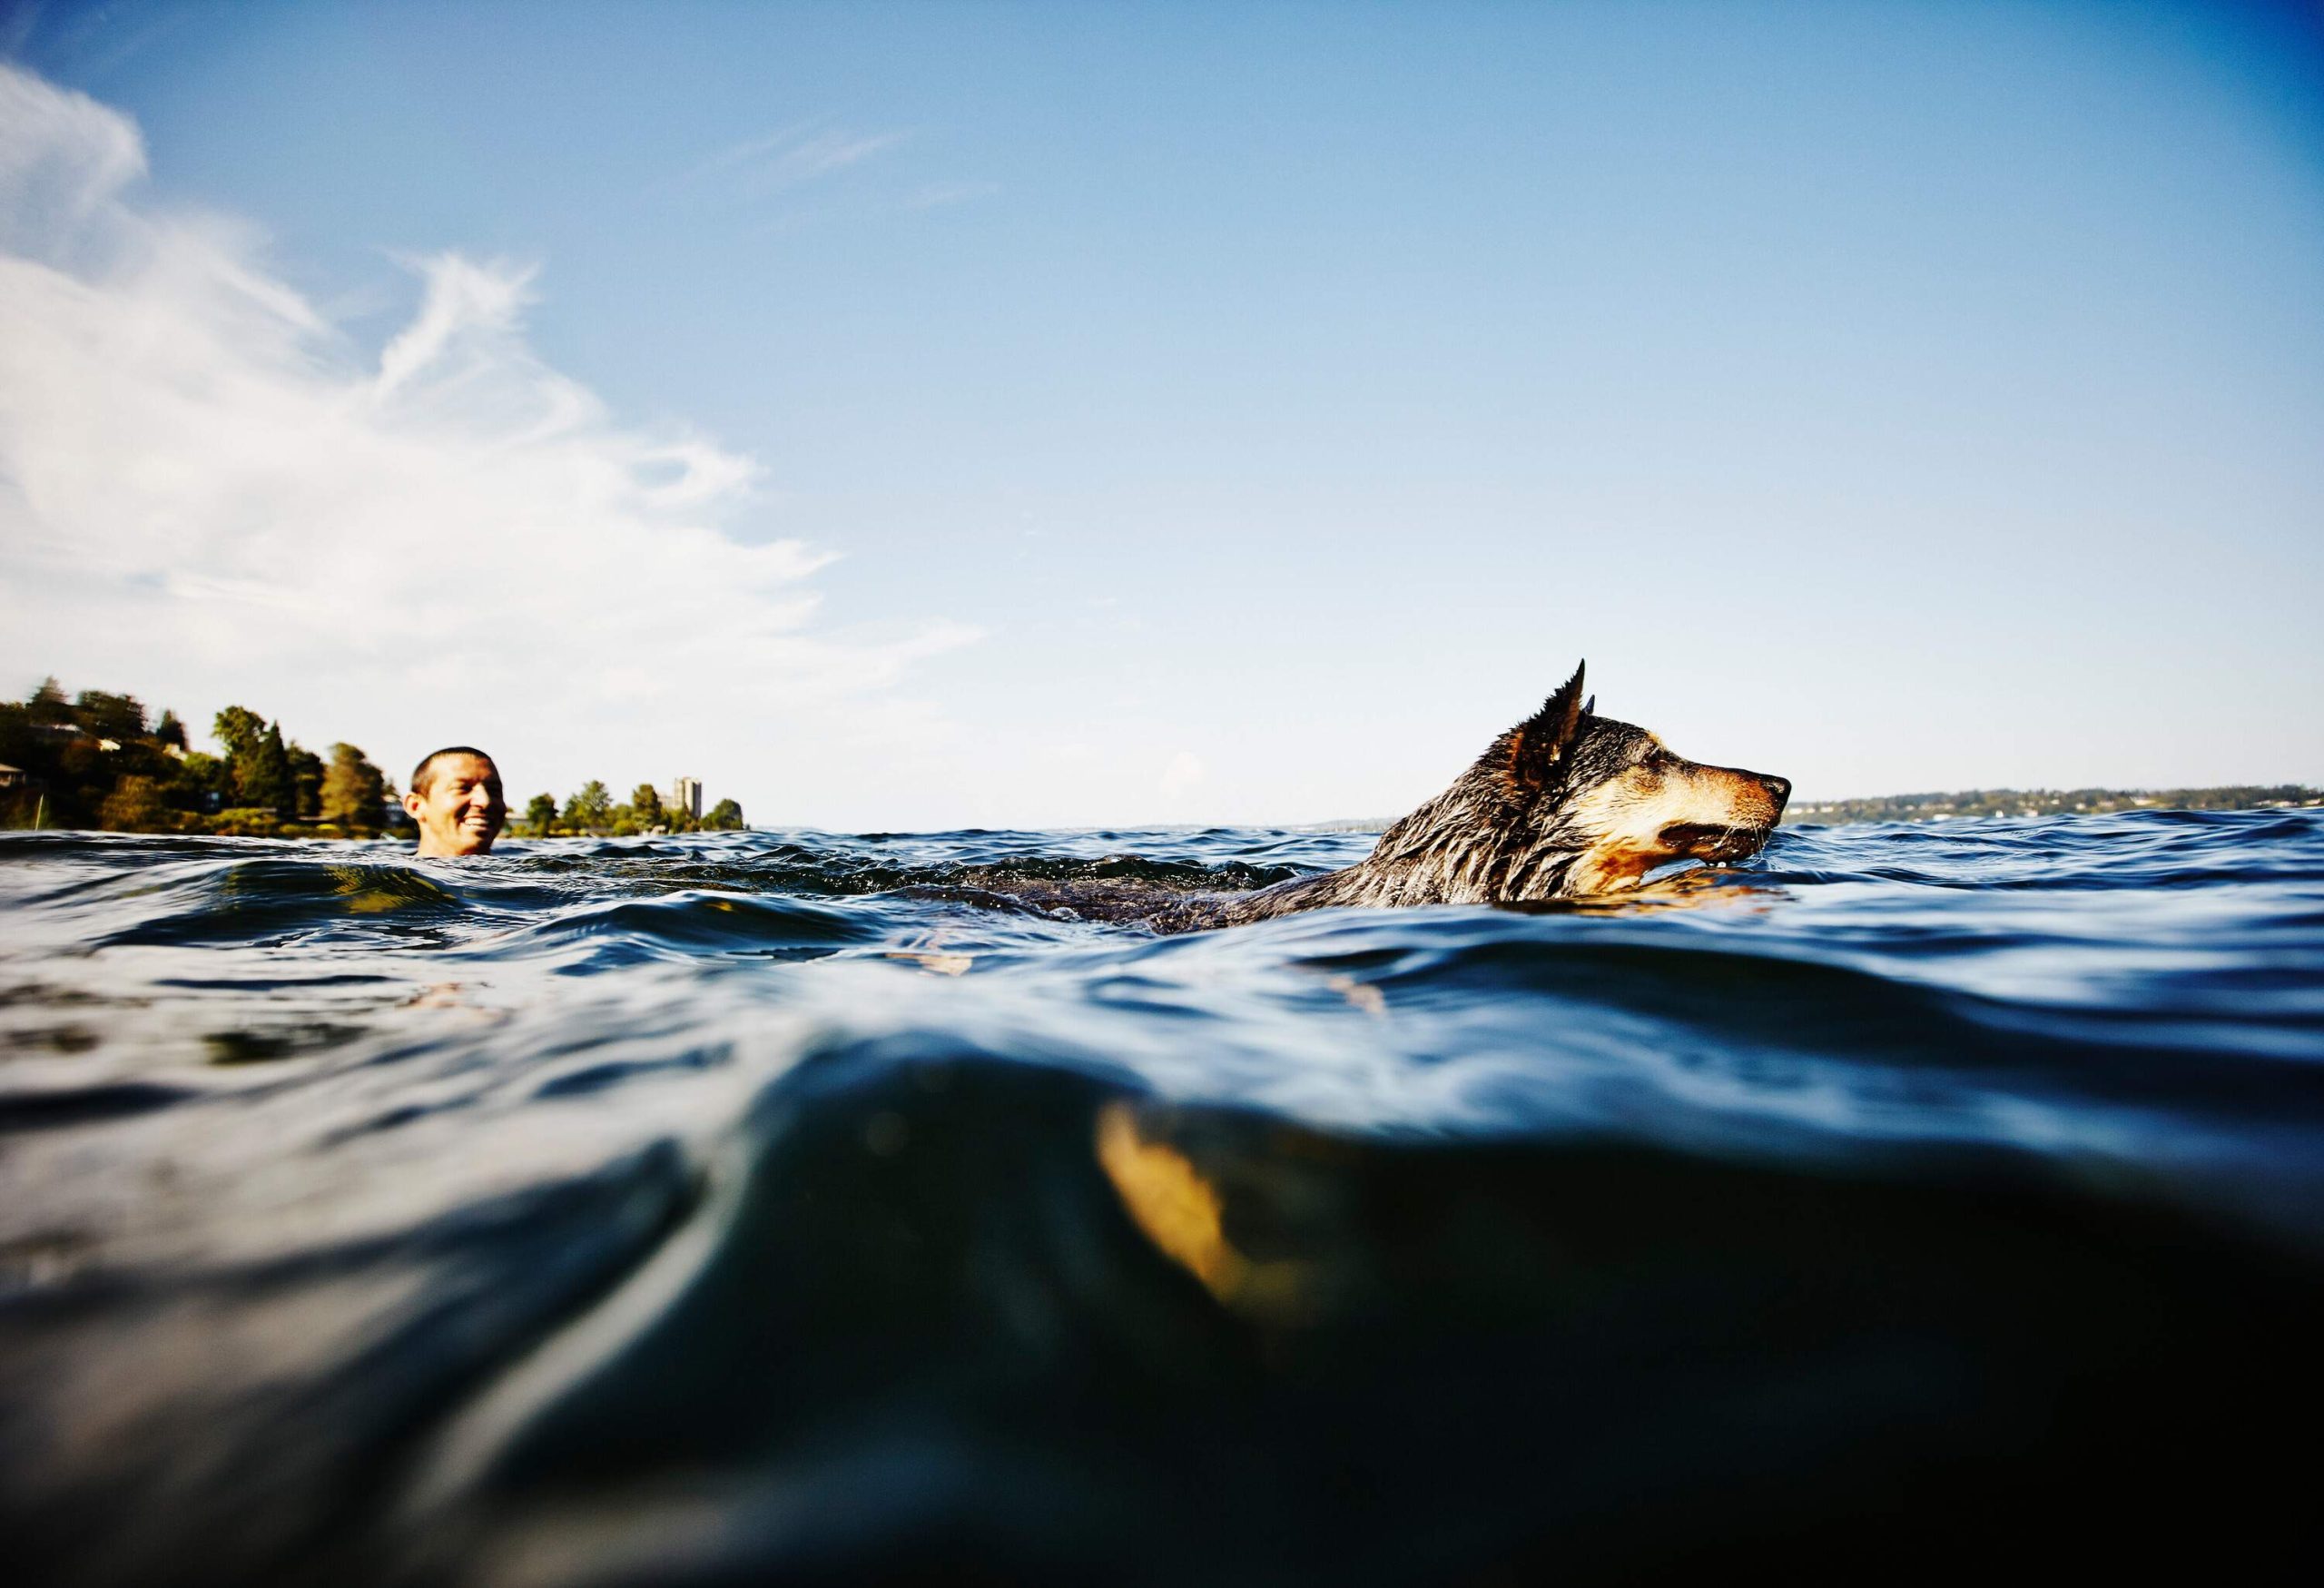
169	731
247	822
82	775
19	748
262	775
136	805
725	816
46	703
118	717
306	773
240	729
590	806
202	782
541	814
243	731
353	790
646	802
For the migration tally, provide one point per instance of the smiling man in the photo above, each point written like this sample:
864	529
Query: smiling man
456	798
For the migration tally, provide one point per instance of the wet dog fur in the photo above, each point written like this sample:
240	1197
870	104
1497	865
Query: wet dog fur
1567	804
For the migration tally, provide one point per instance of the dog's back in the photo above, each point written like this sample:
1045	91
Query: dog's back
1566	804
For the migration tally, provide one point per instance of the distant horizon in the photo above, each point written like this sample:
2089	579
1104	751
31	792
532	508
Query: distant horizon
198	738
2312	795
1014	413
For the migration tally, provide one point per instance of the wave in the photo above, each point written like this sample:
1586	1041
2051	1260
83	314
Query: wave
811	1206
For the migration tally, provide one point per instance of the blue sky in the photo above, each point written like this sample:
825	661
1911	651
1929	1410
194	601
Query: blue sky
1035	415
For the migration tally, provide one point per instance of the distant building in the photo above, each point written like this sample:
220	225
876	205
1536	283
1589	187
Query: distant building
685	796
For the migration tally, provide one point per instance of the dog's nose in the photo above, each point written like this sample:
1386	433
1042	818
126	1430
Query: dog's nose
1778	787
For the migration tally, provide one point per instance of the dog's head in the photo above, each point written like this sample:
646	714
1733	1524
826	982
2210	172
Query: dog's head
1592	805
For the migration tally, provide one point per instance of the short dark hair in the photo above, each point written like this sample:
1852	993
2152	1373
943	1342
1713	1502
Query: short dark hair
425	773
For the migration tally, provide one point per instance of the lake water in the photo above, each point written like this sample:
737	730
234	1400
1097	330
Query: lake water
773	1207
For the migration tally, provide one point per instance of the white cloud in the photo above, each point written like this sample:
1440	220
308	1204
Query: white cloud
208	494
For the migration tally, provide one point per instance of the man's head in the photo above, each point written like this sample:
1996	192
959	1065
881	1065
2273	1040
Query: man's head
456	799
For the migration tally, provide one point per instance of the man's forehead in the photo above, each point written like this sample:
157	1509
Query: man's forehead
467	768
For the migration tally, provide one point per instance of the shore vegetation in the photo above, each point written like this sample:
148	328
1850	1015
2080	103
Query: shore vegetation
96	760
2048	802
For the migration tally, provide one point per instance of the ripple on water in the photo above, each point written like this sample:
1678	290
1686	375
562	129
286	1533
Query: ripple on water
793	1205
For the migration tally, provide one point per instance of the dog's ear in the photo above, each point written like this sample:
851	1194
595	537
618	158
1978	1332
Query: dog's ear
1537	745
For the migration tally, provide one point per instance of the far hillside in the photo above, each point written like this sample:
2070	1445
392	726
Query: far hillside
1988	802
2047	801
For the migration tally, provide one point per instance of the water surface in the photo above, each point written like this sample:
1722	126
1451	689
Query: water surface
791	1206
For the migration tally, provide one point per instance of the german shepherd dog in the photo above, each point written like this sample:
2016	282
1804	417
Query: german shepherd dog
1567	804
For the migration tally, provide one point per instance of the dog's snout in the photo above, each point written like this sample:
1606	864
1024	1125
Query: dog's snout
1778	787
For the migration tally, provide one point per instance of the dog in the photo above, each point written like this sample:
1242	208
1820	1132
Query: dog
1567	804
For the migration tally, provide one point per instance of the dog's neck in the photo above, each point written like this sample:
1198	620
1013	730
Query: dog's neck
1465	846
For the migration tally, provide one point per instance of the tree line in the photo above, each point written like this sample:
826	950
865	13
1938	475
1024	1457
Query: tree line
590	810
2048	802
95	761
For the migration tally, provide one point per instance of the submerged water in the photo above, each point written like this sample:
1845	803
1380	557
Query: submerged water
774	1207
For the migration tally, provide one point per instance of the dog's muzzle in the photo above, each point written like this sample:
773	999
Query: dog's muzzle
1708	841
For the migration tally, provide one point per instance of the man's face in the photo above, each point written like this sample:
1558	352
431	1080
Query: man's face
461	810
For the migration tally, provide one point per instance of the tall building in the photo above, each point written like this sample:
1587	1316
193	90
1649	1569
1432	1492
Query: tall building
686	795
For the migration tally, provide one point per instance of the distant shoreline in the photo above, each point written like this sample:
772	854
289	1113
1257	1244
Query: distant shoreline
1965	805
2049	801
1994	802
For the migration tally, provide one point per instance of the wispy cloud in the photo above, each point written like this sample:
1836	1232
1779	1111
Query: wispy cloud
209	493
790	158
942	194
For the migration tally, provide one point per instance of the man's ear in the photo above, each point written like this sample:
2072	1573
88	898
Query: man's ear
1537	747
413	804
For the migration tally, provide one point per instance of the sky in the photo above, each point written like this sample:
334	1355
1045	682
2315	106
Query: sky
923	416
